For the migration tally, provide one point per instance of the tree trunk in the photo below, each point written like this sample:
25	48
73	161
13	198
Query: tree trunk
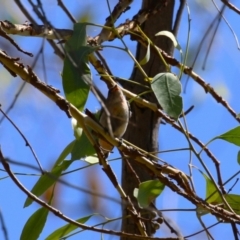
143	129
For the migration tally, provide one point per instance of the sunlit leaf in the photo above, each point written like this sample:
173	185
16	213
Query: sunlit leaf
147	56
212	194
91	159
232	136
47	180
76	129
214	198
34	225
172	37
211	191
148	191
63	231
167	89
76	71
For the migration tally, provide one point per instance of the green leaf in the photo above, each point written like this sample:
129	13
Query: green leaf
216	199
232	199
47	180
148	191
212	195
167	89
34	225
200	211
238	157
172	37
211	192
63	231
232	136
67	150
76	71
234	202
82	148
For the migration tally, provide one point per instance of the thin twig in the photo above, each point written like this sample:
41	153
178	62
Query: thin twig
4	228
3	34
213	37
26	13
25	139
14	100
17	95
178	16
203	230
204	227
228	24
64	8
200	45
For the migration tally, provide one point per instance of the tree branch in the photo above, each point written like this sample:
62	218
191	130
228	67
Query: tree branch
158	170
231	6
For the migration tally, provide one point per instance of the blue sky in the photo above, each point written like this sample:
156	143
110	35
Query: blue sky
49	130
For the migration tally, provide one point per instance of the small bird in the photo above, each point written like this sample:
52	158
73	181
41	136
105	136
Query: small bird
117	118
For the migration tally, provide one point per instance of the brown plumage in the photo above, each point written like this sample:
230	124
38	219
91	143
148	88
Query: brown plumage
117	120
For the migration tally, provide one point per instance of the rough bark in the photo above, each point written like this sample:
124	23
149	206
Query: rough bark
143	130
